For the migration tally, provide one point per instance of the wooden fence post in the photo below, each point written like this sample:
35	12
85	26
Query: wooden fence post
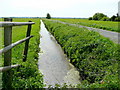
27	42
7	76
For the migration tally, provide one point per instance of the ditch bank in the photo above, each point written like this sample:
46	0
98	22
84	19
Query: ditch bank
96	57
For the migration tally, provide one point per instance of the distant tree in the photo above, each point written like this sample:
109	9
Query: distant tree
90	18
113	18
48	16
116	19
117	15
98	16
105	19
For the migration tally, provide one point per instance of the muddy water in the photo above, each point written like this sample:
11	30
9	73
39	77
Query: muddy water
53	63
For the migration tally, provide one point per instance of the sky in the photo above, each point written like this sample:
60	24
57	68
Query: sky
57	8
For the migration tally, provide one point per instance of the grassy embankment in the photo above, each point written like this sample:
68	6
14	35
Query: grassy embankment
28	75
106	25
95	56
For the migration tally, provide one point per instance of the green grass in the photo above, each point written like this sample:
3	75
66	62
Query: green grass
1	19
95	56
107	25
1	31
28	75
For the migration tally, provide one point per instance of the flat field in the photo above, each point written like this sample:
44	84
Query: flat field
106	25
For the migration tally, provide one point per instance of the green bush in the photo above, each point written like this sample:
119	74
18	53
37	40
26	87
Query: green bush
98	16
113	18
90	18
93	55
27	76
105	19
117	19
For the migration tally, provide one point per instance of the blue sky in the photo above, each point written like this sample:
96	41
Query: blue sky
57	8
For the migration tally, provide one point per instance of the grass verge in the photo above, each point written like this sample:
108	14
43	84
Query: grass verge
105	25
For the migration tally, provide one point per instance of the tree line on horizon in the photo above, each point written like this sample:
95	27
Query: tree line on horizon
103	17
97	17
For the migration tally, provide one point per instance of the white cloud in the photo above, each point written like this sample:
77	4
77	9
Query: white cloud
42	3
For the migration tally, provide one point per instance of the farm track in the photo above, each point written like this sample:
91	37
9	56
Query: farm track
114	36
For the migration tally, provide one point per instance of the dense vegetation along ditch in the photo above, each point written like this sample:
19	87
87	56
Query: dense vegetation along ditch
53	64
95	56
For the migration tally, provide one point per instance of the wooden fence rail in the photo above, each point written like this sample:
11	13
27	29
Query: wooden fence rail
8	45
3	69
13	45
8	24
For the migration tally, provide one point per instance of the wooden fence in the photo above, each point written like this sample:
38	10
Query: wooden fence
8	45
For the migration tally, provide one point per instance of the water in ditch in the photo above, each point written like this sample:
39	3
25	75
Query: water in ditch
53	64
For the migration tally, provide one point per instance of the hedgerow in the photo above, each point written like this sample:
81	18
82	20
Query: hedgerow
95	56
